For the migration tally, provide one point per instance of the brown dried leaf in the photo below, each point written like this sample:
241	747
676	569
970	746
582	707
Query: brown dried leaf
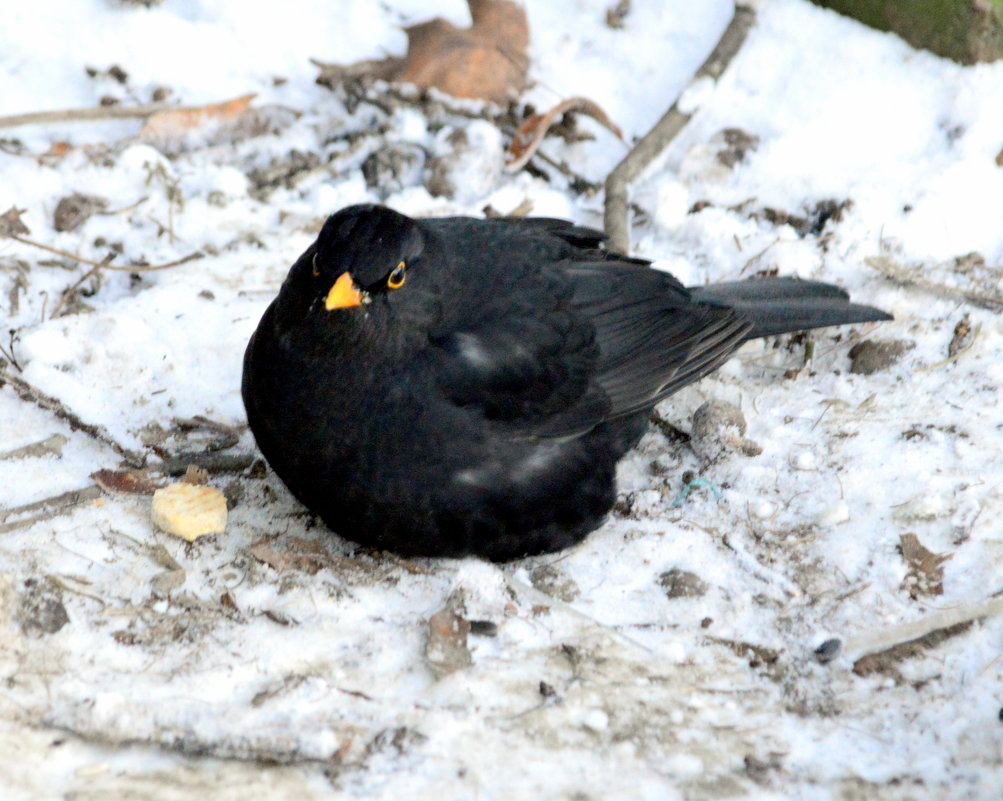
126	482
74	210
176	130
56	152
926	569
532	130
962	337
10	223
177	122
486	61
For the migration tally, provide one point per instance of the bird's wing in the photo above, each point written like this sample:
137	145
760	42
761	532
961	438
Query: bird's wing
567	335
526	359
653	338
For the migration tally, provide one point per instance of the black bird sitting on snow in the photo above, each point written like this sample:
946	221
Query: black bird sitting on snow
457	386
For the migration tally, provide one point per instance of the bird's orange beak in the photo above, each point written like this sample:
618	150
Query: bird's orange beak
344	294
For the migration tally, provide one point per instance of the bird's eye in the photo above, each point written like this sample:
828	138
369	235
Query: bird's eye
313	266
396	278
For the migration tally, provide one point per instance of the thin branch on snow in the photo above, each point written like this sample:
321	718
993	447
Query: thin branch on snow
658	138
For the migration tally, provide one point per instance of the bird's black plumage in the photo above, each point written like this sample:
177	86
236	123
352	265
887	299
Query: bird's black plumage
458	386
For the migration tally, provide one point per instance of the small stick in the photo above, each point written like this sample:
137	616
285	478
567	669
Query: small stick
96	113
136	268
882	639
47	509
896	272
657	139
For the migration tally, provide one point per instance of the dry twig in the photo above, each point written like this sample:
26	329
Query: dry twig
46	509
665	130
886	639
104	265
96	113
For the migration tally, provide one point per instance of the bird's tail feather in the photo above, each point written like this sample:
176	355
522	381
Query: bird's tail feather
782	305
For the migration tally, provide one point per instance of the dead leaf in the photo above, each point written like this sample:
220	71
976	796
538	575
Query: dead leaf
532	130
10	223
175	123
486	61
962	337
306	556
263	551
125	482
926	569
55	152
176	130
74	210
615	15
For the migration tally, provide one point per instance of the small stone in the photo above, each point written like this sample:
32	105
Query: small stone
484	628
682	584
189	511
41	609
829	650
871	356
718	430
116	73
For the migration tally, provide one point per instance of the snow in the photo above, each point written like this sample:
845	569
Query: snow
313	681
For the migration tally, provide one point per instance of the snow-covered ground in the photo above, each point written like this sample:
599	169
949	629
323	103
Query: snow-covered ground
275	661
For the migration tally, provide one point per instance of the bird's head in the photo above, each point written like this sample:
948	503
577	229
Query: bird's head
362	255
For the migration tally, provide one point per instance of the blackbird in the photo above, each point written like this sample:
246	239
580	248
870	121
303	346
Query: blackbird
458	386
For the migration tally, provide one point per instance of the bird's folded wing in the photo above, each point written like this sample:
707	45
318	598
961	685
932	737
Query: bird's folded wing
527	363
653	338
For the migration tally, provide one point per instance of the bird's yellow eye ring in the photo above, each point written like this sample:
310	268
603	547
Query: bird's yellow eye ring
396	278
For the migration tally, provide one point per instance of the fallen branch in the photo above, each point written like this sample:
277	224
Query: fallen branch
886	639
96	113
657	139
46	509
897	272
133	268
